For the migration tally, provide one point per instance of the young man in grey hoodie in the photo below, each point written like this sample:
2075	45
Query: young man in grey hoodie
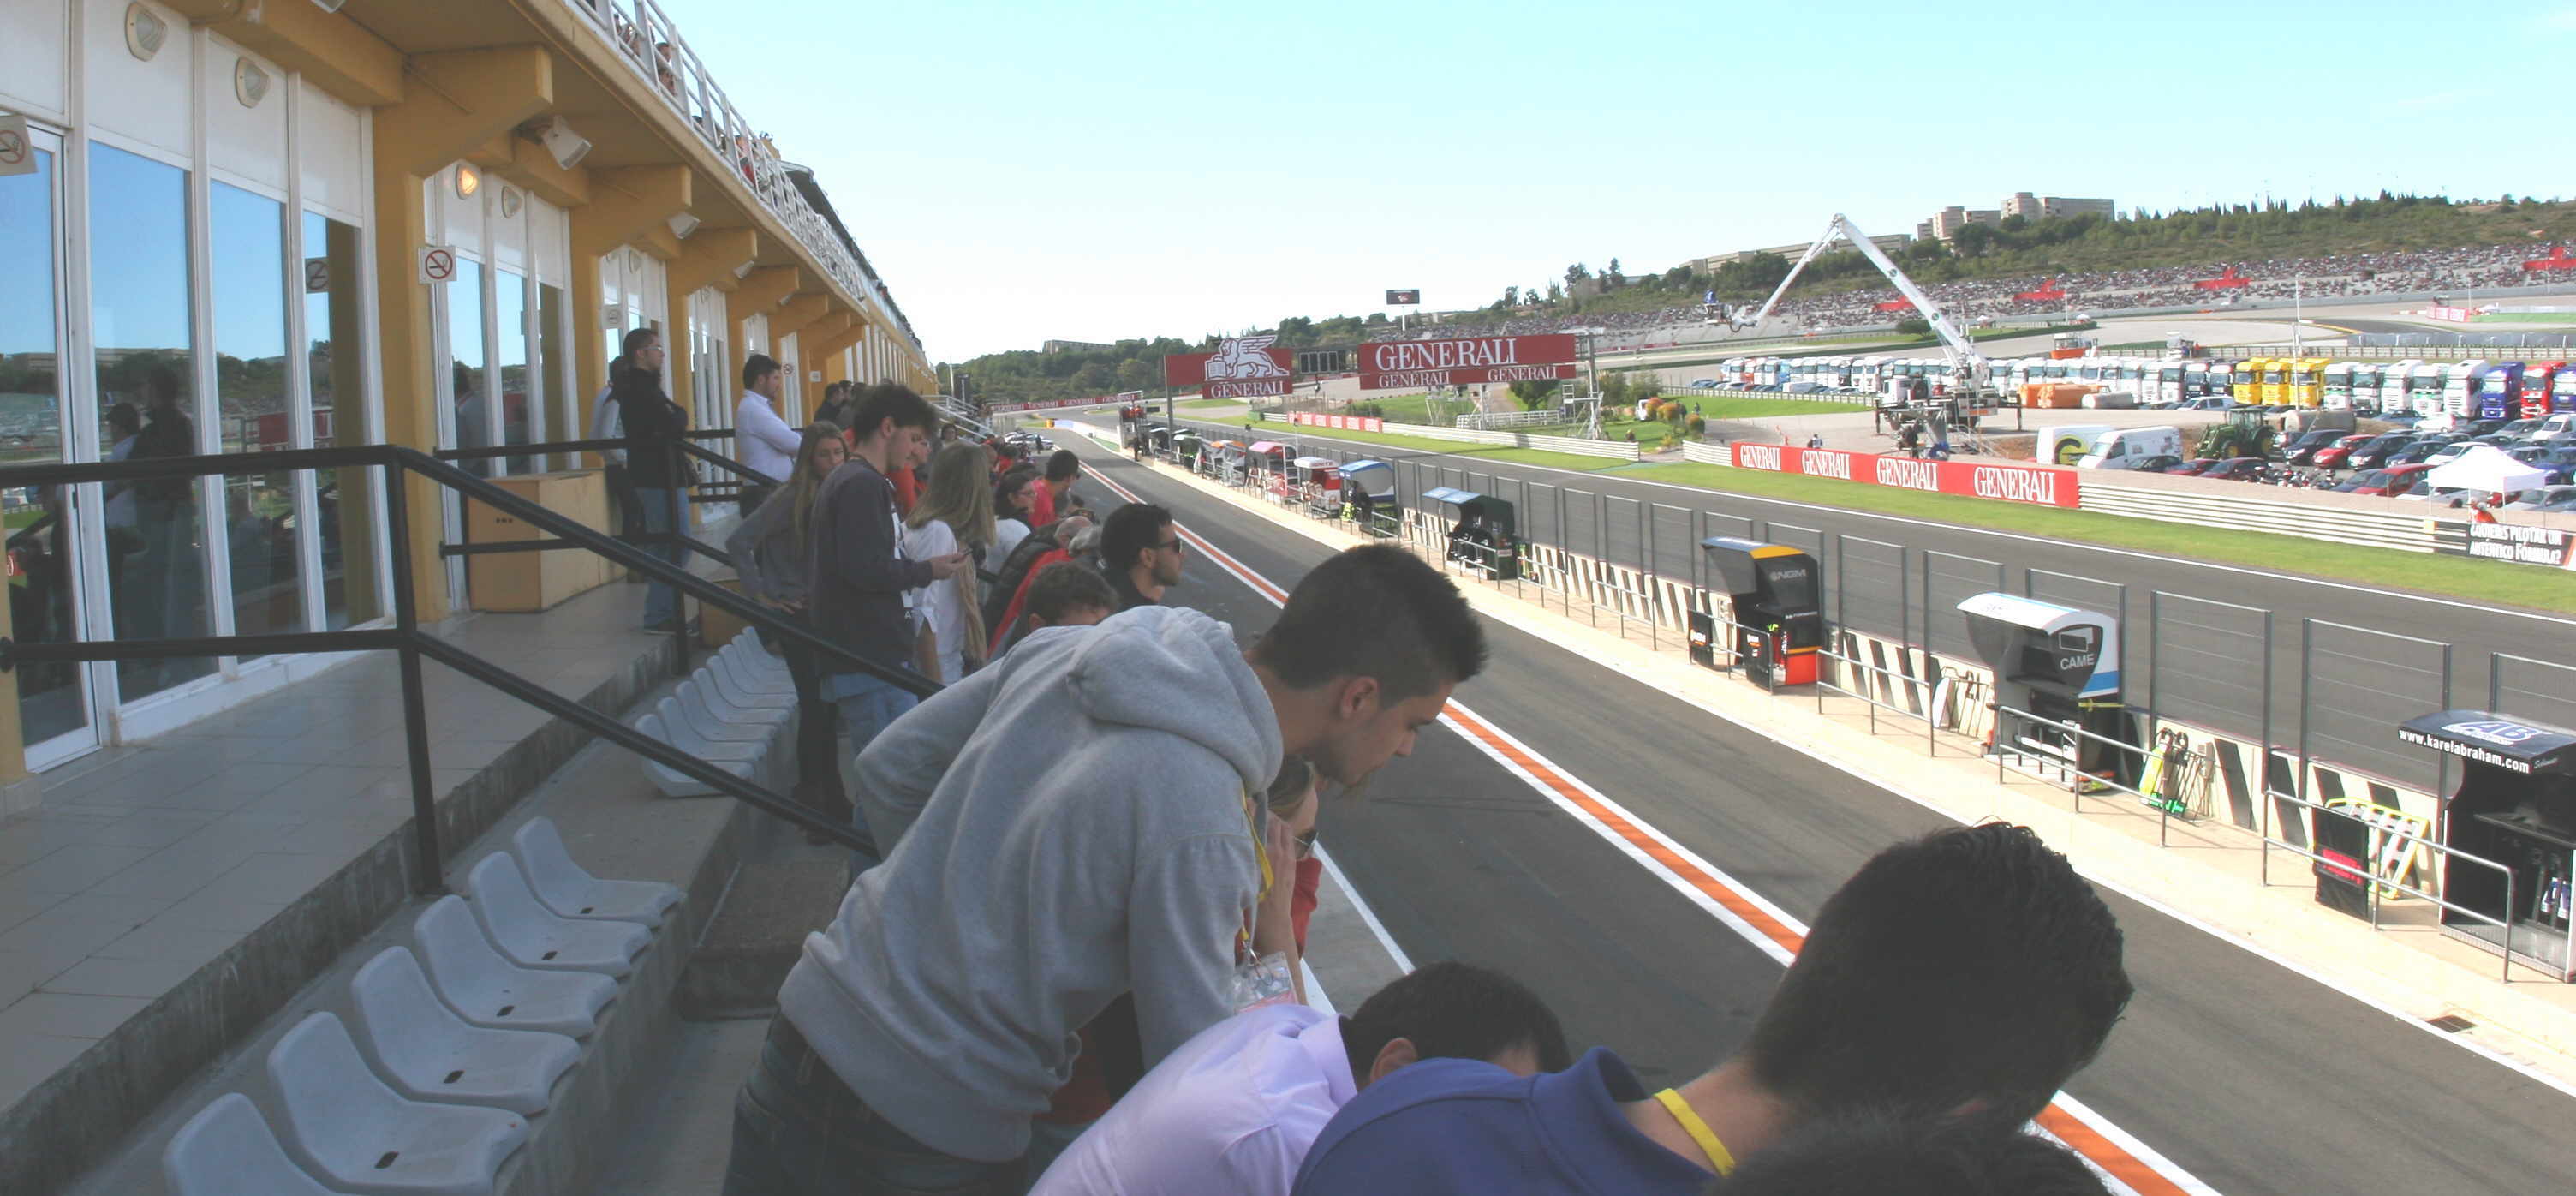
1067	825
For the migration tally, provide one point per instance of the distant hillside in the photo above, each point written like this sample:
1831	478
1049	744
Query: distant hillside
2020	248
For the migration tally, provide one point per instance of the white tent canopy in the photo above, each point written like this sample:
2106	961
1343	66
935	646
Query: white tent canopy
2486	468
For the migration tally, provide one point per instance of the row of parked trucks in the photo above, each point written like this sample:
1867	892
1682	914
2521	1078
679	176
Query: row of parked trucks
2472	389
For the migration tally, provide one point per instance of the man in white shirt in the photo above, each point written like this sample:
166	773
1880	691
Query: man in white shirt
1235	1108
767	444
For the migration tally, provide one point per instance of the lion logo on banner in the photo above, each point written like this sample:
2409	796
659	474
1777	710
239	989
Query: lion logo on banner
1244	357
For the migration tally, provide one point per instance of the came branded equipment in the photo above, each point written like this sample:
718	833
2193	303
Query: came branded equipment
2057	669
2515	807
1486	537
1779	613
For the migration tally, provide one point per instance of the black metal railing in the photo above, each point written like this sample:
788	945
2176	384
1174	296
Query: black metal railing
411	643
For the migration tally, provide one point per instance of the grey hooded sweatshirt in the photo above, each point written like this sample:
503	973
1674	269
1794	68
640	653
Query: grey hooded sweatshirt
1066	826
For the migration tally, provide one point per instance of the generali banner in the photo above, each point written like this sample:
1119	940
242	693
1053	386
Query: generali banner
1348	423
1247	367
2008	483
1387	365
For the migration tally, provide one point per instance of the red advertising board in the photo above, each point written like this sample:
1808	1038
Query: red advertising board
1351	423
2008	483
2048	292
1388	365
2224	282
1895	305
1247	367
2557	260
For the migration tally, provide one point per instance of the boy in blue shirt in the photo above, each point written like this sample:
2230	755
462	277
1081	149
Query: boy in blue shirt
1968	972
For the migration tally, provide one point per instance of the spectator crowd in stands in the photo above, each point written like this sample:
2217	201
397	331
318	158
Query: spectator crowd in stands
1073	964
2331	277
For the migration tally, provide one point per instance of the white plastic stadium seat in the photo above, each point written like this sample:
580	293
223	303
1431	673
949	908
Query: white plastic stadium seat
227	1150
745	679
433	1055
757	661
674	783
476	980
569	890
365	1137
705	725
701	701
536	937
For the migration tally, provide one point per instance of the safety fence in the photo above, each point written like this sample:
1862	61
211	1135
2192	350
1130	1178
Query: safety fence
2406	532
2399	860
1706	453
1495	420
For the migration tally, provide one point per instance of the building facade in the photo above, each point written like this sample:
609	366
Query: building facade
245	228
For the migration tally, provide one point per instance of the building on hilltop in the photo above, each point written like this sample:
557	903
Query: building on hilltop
1070	346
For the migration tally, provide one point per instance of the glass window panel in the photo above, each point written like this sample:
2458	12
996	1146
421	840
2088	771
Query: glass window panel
352	541
247	240
52	700
510	359
139	313
551	360
469	408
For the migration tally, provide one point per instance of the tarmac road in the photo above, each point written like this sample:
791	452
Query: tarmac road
2205	665
2252	1078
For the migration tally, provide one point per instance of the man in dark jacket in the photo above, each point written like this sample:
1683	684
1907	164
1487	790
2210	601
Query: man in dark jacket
862	586
1140	553
653	470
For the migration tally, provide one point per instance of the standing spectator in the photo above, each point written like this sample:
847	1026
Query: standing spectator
773	552
767	444
1014	509
1234	1109
653	469
1066	594
605	425
862	579
955	516
1815	440
1140	553
1970	969
1067	825
1054	494
834	409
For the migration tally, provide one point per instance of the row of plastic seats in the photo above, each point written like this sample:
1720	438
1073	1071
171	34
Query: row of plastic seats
463	1052
730	713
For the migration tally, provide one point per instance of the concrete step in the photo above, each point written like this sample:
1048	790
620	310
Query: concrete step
759	930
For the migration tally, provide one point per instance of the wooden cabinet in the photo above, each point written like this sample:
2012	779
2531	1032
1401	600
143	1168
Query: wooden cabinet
532	581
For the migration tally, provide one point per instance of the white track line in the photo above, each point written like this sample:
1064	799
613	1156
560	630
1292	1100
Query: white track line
2119	1156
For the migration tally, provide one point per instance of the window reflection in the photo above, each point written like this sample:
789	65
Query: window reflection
140	313
51	700
344	498
510	360
549	369
248	240
470	409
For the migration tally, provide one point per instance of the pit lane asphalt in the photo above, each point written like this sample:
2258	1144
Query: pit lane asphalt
2206	662
2253	1078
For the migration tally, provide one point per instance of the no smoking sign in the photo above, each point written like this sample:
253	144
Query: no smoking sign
17	153
438	263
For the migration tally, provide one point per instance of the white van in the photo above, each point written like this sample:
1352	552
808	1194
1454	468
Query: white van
2124	448
2561	426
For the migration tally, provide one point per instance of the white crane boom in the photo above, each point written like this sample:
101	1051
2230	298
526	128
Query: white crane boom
1961	352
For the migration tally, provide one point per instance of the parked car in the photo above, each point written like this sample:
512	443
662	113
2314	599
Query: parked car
2238	469
2193	466
2396	480
2422	448
2333	456
2544	498
2380	448
2303	451
2161	464
2367	481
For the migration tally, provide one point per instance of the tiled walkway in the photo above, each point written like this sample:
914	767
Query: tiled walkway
146	862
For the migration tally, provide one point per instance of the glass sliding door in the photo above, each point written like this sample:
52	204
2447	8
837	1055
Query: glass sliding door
468	406
45	550
510	376
144	358
254	412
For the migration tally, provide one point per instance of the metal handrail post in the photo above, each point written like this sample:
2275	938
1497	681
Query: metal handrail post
2266	762
432	880
2307	691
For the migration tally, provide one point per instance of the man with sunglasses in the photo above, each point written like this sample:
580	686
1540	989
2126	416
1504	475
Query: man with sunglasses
1140	554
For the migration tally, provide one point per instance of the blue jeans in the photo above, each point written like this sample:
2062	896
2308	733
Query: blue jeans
799	1131
867	705
661	599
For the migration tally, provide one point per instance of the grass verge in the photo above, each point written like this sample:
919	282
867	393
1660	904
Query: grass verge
2457	577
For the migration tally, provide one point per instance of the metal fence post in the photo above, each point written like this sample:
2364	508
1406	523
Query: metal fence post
424	797
2307	689
2442	760
1904	601
1842	580
1646	554
1927	601
2495	680
2264	766
2155	622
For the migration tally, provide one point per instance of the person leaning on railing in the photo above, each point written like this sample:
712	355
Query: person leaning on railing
773	554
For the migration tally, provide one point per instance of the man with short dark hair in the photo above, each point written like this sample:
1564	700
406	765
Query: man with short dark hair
862	585
1968	972
1063	469
1234	1109
1140	553
765	441
1873	1154
1065	825
1068	594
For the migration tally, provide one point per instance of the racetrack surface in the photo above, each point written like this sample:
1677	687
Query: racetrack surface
2249	1077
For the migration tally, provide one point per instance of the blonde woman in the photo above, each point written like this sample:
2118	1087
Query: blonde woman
954	515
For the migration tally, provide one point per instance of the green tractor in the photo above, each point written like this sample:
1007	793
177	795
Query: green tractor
2244	434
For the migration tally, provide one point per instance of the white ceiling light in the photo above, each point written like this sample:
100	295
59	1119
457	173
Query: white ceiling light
250	83
510	203
468	180
682	225
145	31
568	147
